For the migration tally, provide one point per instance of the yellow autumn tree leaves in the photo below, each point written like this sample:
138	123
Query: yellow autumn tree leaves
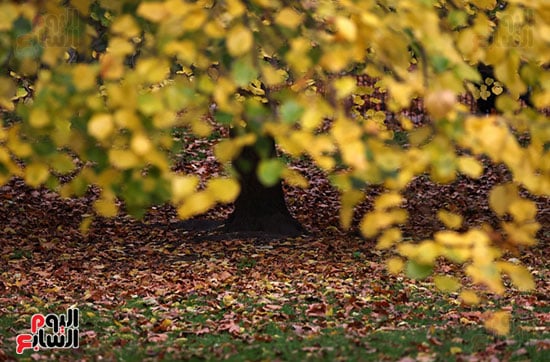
107	82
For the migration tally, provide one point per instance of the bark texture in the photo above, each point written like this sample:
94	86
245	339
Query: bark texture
260	208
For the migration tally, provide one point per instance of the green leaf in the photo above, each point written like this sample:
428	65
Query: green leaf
256	113
269	171
418	271
440	63
243	72
223	117
62	163
44	147
21	27
291	111
458	18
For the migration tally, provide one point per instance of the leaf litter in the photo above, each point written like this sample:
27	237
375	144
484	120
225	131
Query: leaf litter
199	282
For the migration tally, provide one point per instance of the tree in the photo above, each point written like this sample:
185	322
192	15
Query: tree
275	71
259	207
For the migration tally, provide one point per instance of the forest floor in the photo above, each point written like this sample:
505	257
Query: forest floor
153	289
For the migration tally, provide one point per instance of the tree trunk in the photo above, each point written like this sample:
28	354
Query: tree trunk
260	208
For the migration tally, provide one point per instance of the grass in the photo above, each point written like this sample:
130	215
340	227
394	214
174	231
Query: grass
137	331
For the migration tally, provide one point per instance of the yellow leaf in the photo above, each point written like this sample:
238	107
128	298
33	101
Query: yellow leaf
451	239
150	104
185	50
387	200
85	224
51	56
455	350
8	89
388	238
125	25
140	144
123	159
312	118
457	255
446	283
297	56
8	13
228	300
501	196
345	28
200	128
153	70
154	11
420	135
214	29
272	76
406	123
124	96
235	7
62	163
223	189
401	93
183	186
84	76
427	251
239	40
468	41
521	277
395	265
158	159
36	174
83	6
470	166
399	216
294	178
345	86
166	323
101	125
499	322
224	89
332	60
126	118
226	150
486	274
195	19
120	47
288	18
522	234
16	145
350	198
106	207
523	210
440	103
195	204
111	67
373	222
450	219
39	118
378	220
469	297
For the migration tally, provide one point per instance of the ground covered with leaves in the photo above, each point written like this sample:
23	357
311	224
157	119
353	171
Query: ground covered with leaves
162	289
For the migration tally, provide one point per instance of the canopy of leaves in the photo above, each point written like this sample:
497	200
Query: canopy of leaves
91	92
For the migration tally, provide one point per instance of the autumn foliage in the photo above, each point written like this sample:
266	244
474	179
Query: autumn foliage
91	91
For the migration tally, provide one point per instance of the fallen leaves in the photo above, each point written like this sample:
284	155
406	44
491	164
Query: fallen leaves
498	322
198	287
